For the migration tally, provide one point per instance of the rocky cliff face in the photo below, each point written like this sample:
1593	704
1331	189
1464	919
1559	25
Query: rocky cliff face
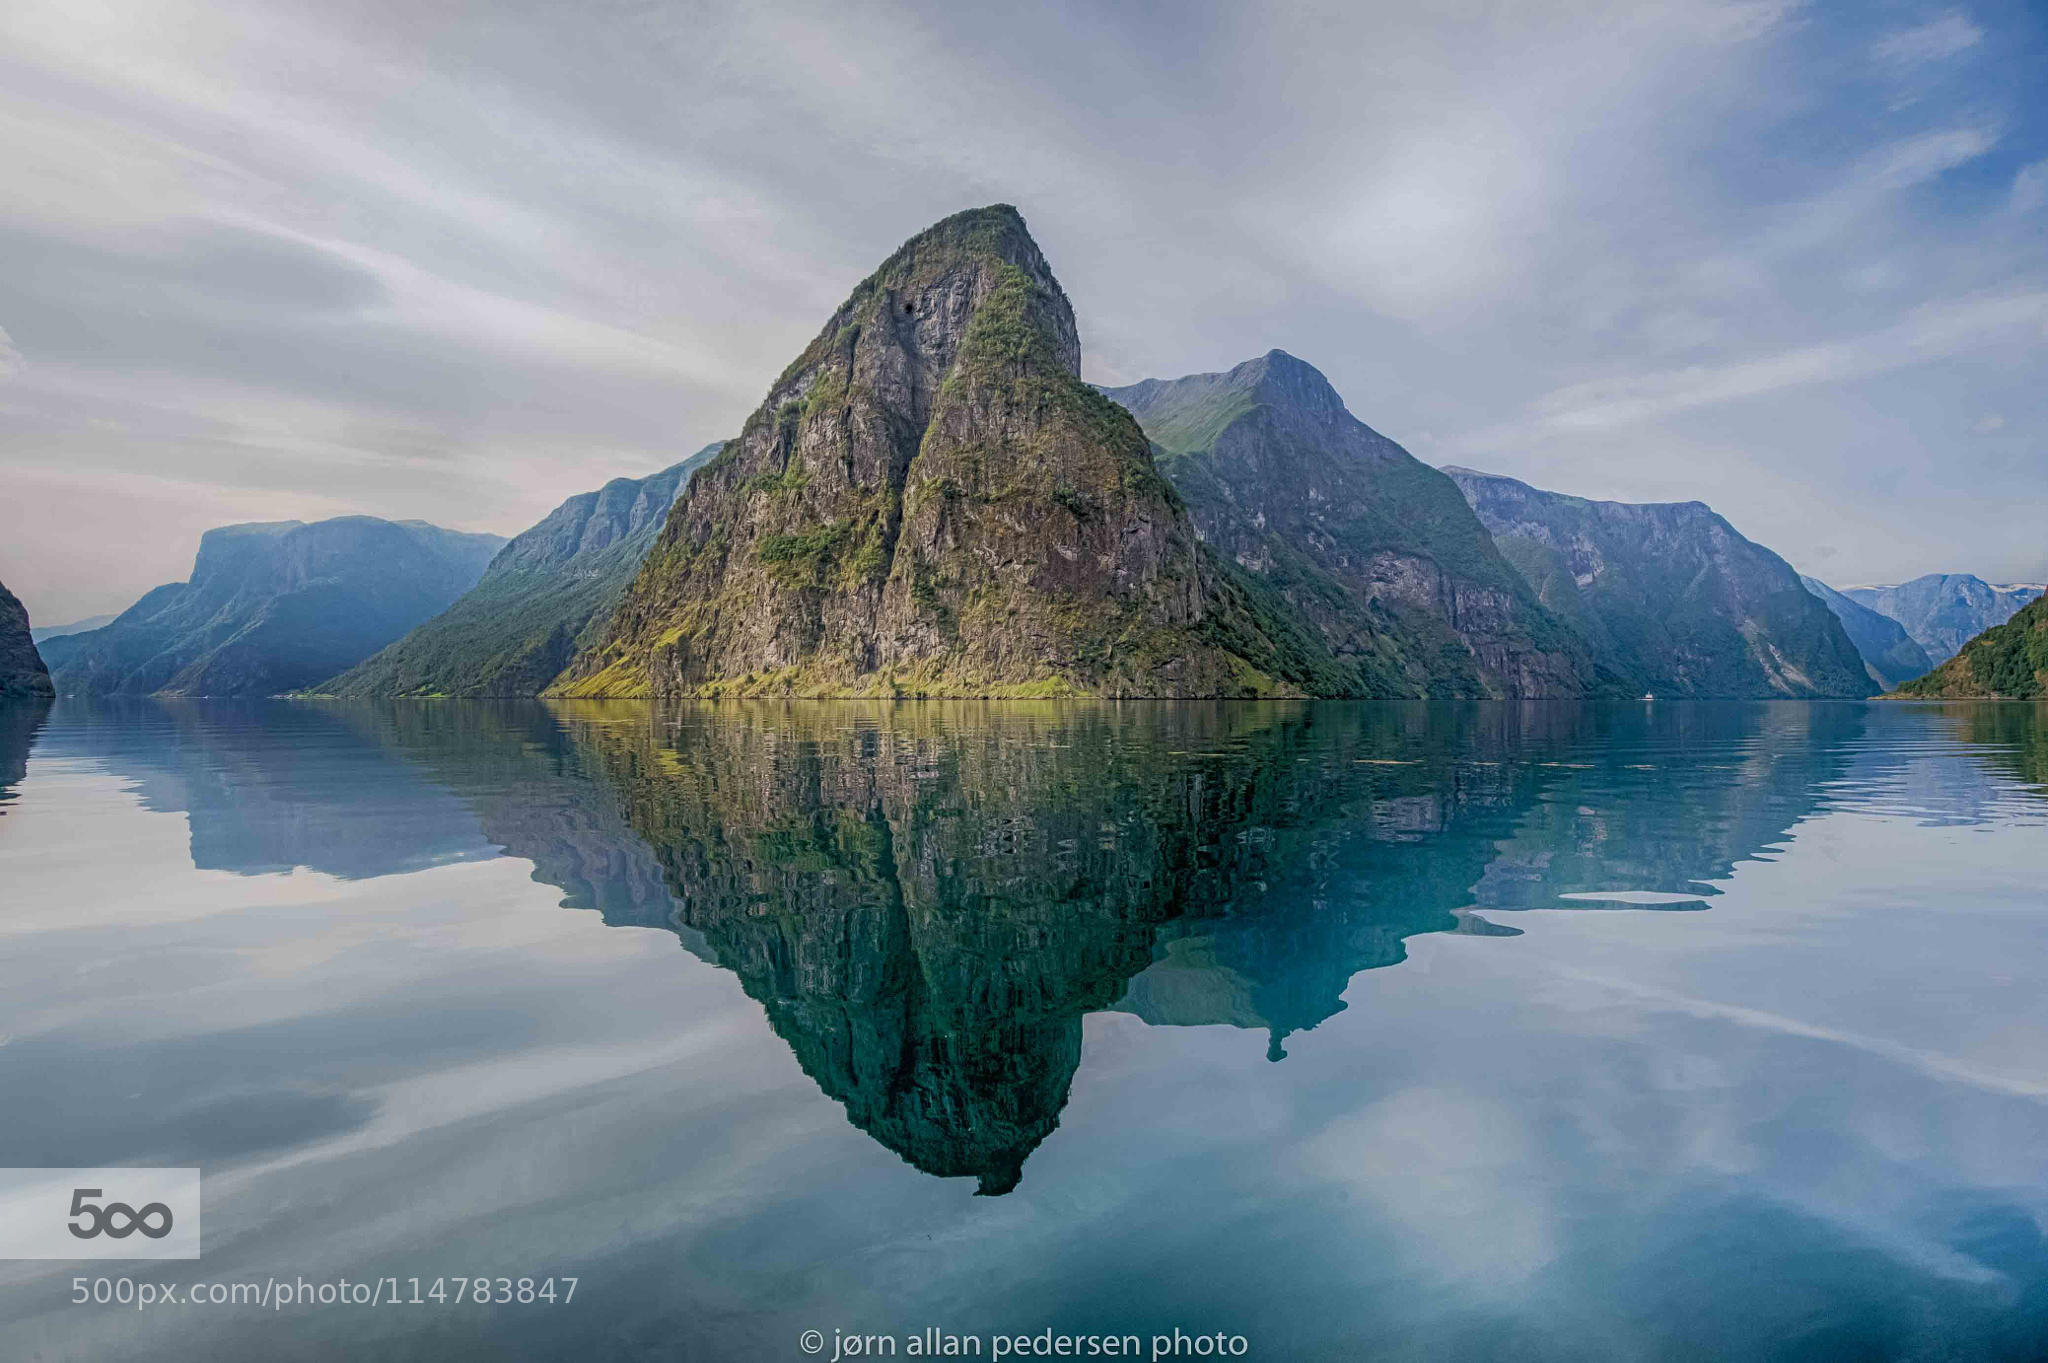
275	607
1669	594
1944	611
1890	654
2006	662
22	672
1372	547
930	501
545	597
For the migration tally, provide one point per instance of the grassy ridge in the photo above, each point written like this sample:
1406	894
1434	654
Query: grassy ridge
2008	661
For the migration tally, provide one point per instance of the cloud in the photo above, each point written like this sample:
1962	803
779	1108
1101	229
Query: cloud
1922	158
2030	187
1934	41
1931	333
350	254
1987	425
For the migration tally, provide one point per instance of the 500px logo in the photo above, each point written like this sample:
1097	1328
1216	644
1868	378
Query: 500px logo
100	1220
123	1213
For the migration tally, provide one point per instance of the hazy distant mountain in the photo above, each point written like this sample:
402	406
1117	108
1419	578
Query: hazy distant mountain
546	596
1944	611
42	632
1891	654
2008	661
931	502
1372	547
275	606
1670	594
22	672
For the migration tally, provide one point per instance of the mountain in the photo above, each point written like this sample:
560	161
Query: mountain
2008	661
544	598
42	632
1669	594
22	672
1374	548
1944	611
1890	654
930	501
275	606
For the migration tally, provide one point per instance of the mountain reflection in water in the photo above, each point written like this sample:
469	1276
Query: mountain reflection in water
926	899
1718	1032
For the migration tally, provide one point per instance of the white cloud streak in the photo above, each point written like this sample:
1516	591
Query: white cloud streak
354	255
1933	333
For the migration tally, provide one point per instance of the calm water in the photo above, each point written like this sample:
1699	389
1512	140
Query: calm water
1648	1031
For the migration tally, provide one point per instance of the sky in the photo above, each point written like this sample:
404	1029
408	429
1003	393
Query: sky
305	258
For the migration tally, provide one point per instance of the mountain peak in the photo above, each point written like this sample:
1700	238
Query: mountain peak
1279	378
1188	414
930	500
997	229
1376	550
921	299
1944	611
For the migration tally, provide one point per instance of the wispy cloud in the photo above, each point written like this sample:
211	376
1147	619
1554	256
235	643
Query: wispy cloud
1931	333
315	255
2030	187
1936	40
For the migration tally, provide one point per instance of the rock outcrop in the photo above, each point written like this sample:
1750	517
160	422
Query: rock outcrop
546	597
1375	549
930	501
2005	662
275	607
1669	594
22	672
1944	611
1890	654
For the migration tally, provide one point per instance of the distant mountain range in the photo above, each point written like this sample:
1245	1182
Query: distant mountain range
275	606
1669	595
931	502
543	599
1944	611
22	671
42	632
1890	654
1370	546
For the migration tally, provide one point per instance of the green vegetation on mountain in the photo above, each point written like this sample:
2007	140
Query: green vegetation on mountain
274	607
2008	661
1669	594
545	597
931	502
1374	551
22	671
